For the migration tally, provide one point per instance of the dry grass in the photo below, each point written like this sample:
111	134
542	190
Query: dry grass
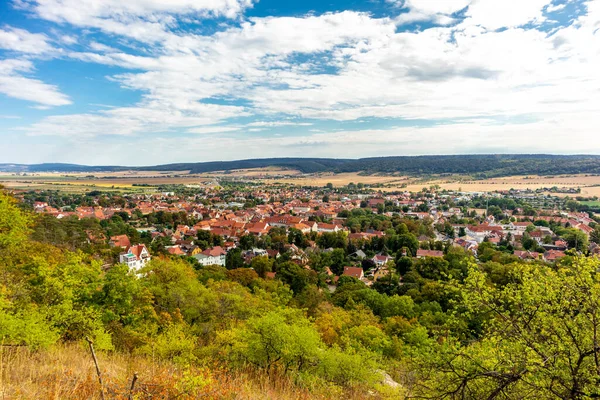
67	372
338	179
255	172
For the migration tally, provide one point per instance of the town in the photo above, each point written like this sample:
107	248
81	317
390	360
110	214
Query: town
328	232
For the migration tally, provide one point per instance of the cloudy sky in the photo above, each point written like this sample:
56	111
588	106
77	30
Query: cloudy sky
141	82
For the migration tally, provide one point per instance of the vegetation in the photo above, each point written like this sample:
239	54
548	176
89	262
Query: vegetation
483	166
443	327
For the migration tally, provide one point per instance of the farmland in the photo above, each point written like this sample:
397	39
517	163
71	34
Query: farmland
148	181
130	181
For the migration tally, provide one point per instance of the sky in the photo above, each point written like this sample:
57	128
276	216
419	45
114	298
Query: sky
146	82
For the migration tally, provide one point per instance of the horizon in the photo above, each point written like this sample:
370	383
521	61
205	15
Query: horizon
152	82
2	164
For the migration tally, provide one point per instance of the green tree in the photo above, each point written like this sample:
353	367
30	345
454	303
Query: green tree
540	337
262	265
234	259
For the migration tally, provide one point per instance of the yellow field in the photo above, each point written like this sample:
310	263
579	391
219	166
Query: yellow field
589	185
340	179
255	172
80	182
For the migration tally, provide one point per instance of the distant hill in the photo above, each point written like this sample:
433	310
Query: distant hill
306	165
480	166
58	167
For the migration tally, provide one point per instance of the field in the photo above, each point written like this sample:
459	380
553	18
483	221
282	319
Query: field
591	203
341	179
256	172
589	185
110	181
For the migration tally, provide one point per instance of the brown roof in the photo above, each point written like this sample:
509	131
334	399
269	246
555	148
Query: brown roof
120	241
355	272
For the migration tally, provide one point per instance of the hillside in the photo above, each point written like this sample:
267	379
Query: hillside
480	166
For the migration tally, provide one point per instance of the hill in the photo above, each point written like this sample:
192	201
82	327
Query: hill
480	166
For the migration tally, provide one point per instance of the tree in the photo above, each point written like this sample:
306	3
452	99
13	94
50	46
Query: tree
247	242
595	235
295	276
409	241
338	261
234	259
243	276
540	337
576	239
261	265
14	224
435	268
403	264
282	340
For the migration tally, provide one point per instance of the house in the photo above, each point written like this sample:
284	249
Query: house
135	257
323	227
480	232
421	253
354	272
175	250
258	228
553	255
381	259
527	255
358	254
214	256
121	241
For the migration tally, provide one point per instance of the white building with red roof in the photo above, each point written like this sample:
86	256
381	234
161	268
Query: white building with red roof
135	257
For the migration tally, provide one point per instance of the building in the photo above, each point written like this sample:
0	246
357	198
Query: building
214	256
135	257
355	272
121	241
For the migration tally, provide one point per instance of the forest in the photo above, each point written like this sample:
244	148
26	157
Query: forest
452	327
478	166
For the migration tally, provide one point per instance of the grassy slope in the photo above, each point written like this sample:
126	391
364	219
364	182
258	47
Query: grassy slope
68	372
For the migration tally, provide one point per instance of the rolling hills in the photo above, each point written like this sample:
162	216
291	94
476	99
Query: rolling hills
479	166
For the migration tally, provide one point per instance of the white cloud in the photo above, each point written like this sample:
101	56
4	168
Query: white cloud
14	84
491	14
273	124
143	20
438	11
214	129
23	41
494	14
348	65
68	39
147	117
554	8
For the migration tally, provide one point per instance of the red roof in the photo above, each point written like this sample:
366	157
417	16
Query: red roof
215	252
137	250
120	241
355	272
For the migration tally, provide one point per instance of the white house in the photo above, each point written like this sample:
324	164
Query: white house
214	256
135	257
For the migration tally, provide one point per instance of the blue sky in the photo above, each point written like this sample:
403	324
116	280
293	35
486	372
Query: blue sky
157	81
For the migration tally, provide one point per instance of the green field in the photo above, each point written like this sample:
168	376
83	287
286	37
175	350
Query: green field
591	203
